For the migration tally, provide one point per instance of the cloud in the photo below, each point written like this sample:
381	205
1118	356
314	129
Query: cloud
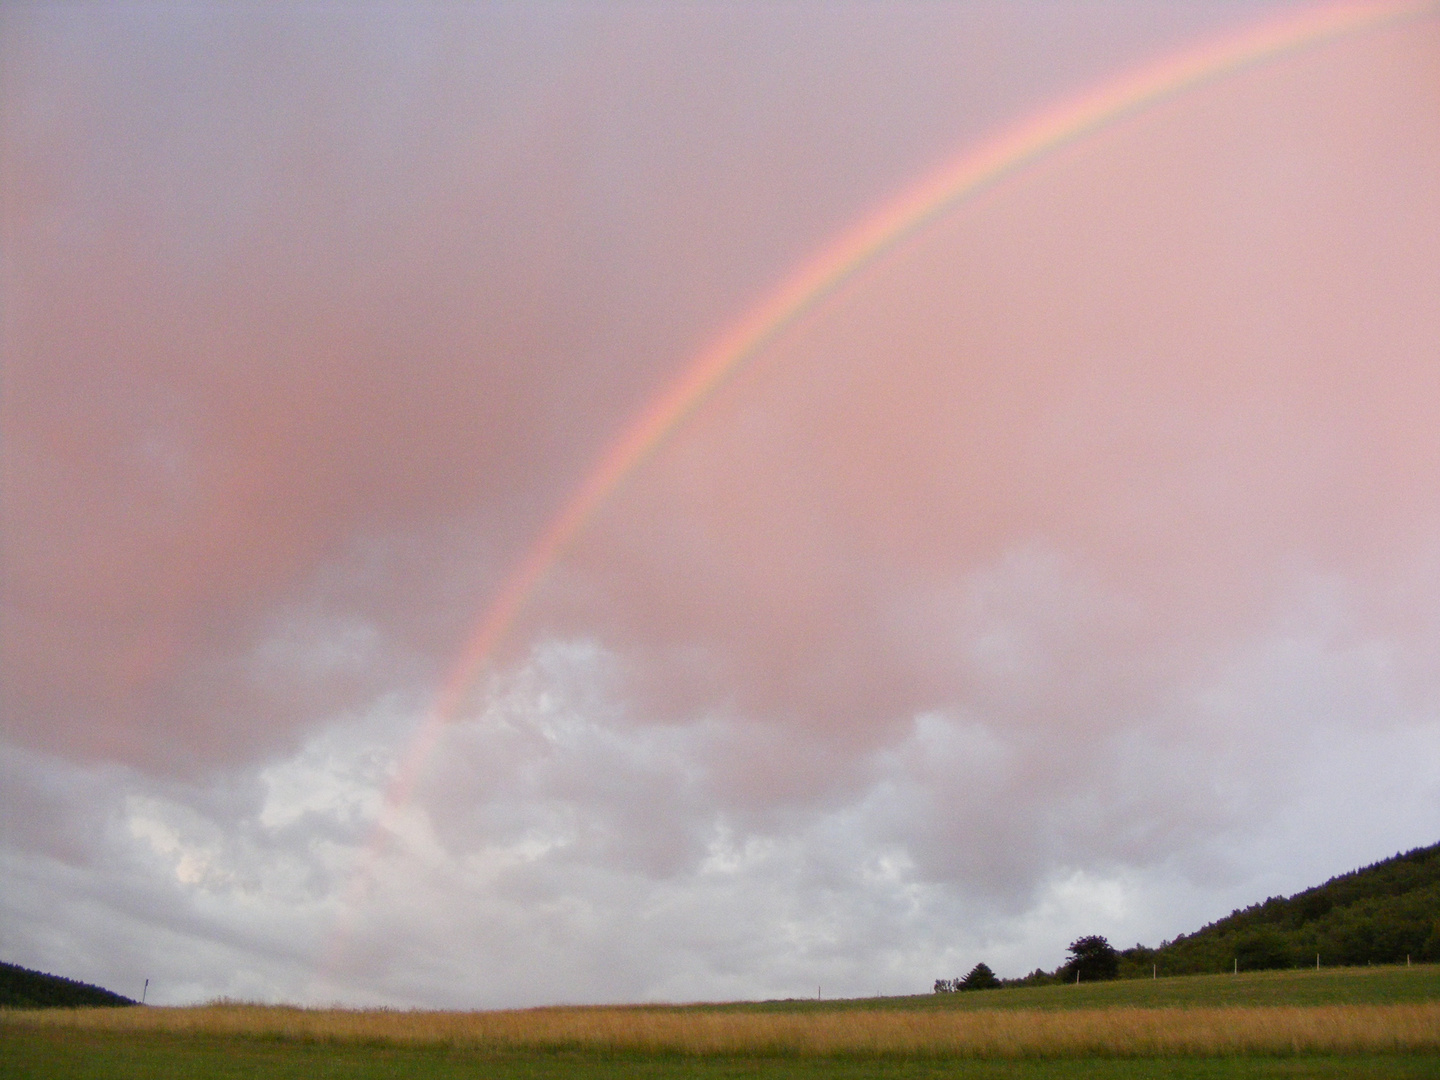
325	312
1073	571
553	855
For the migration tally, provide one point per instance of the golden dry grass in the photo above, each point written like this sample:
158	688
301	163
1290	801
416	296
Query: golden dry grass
1142	1032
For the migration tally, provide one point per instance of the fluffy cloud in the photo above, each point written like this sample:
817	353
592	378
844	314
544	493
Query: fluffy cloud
556	852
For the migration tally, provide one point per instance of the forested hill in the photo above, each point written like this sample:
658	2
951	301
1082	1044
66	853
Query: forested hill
21	988
1379	914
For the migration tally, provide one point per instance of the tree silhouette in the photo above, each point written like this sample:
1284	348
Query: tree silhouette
980	978
1093	959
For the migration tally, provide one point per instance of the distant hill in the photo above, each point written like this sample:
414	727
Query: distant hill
1379	914
21	988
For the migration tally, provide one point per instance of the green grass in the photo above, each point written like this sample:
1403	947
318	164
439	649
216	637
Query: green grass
76	1055
1392	985
39	1052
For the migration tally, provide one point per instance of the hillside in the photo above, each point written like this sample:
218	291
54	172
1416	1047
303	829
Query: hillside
1379	914
21	988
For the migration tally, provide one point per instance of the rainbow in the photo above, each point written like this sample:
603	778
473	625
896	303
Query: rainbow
817	280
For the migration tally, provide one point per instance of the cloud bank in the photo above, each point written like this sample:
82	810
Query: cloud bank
1073	571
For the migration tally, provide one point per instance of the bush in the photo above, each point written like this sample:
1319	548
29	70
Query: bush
1038	977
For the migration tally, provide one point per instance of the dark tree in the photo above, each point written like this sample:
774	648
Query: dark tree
944	986
980	978
1092	959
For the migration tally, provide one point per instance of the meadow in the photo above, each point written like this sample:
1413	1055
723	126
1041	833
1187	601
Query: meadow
1381	1022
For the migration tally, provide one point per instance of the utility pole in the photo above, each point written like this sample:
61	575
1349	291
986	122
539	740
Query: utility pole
145	990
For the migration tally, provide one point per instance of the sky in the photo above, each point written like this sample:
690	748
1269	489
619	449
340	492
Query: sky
1074	567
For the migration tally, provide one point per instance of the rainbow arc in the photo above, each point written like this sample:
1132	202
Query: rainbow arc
975	170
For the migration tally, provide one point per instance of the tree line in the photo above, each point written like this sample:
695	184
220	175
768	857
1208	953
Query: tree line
21	988
1092	959
1385	913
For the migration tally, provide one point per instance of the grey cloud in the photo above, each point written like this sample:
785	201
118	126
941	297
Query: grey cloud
1076	573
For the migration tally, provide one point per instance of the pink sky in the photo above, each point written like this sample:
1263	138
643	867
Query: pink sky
1073	570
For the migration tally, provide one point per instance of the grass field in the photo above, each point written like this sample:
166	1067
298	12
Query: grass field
81	1055
1375	1022
1304	986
